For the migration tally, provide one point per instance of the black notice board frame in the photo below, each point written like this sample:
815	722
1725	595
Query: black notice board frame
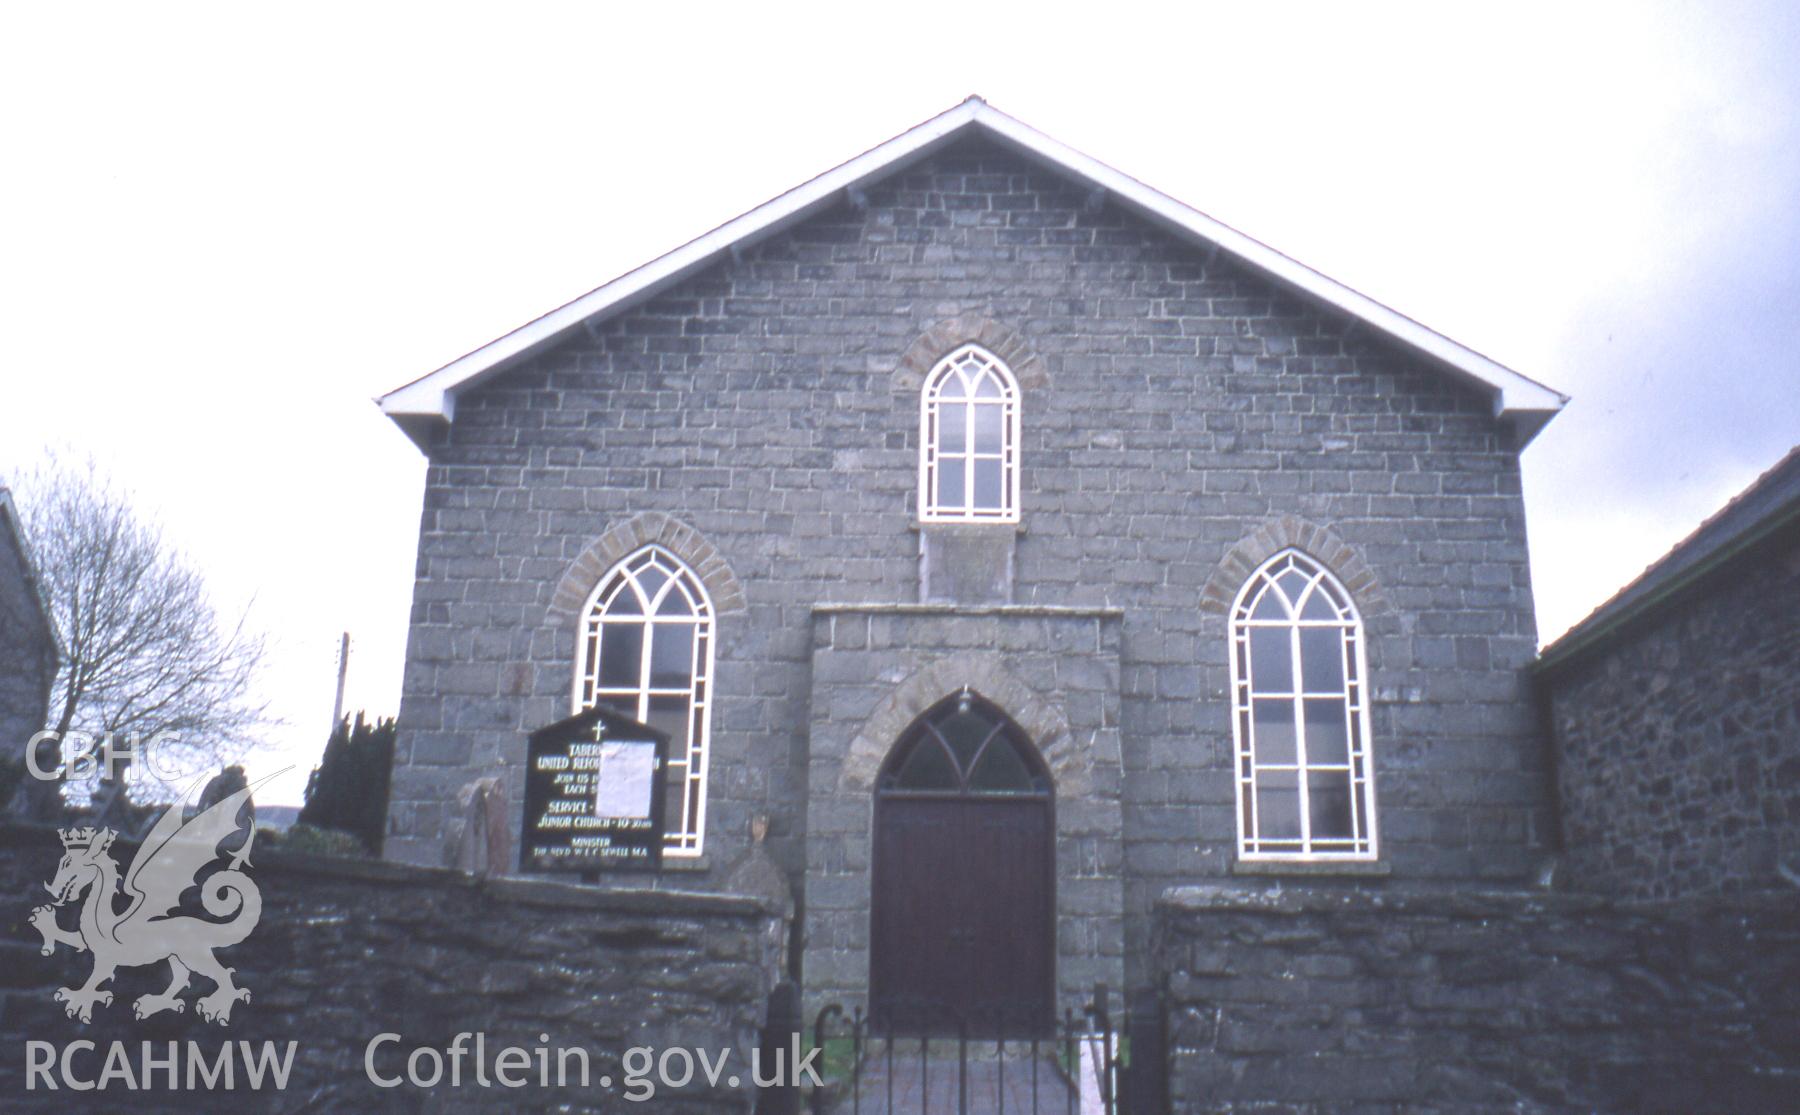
628	847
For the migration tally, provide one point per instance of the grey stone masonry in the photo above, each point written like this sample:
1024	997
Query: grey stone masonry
27	645
346	949
1678	740
1178	413
1055	672
1478	1002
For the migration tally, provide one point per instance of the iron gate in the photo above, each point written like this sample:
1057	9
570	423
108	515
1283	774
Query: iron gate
915	1064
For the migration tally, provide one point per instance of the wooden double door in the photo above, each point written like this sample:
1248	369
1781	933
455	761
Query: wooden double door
963	904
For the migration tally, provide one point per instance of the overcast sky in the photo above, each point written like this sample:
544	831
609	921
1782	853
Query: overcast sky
225	230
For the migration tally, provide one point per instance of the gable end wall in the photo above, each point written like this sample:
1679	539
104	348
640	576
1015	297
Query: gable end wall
1179	406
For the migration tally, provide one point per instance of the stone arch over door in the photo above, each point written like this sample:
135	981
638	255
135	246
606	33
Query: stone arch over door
875	671
986	676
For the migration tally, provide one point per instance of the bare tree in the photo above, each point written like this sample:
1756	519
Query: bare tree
144	650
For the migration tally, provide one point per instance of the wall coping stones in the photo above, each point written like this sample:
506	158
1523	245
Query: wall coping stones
1447	903
517	890
1459	903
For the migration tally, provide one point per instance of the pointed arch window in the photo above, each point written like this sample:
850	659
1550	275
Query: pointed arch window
969	440
1299	675
646	650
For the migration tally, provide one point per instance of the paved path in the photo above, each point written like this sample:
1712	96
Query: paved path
929	1087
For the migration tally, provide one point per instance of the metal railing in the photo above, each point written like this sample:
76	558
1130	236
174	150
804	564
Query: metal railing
915	1059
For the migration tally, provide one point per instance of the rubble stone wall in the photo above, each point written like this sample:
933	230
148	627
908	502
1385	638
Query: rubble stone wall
348	949
1678	740
1359	1000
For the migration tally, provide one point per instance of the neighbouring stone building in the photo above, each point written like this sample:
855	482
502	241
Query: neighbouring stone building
1676	712
1019	542
28	642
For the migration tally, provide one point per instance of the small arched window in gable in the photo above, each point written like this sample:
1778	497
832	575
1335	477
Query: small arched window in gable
646	650
969	440
1299	677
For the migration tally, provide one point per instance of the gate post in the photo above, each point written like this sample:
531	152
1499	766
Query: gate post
1145	1082
780	1036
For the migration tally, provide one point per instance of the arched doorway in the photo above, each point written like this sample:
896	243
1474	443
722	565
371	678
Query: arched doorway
962	915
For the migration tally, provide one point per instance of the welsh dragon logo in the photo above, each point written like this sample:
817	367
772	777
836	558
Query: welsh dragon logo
151	926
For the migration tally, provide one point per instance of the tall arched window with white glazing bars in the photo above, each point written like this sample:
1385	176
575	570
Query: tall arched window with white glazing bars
646	650
969	440
1299	680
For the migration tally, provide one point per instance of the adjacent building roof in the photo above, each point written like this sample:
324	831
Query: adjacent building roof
12	528
1758	513
431	400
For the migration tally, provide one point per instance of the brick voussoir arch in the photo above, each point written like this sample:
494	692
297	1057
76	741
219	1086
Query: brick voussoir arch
972	327
1319	543
985	675
622	539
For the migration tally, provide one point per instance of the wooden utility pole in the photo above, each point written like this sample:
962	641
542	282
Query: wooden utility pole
337	706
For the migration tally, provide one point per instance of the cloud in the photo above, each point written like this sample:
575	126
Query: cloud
232	229
1686	371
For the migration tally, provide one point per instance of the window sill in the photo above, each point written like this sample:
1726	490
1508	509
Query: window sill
686	864
1311	868
965	524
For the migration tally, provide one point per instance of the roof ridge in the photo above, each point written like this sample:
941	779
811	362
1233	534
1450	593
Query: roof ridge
1580	632
431	400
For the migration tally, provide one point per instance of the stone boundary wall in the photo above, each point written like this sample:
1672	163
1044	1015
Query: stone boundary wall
1358	1001
348	949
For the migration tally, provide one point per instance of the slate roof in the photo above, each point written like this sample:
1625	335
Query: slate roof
1766	507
